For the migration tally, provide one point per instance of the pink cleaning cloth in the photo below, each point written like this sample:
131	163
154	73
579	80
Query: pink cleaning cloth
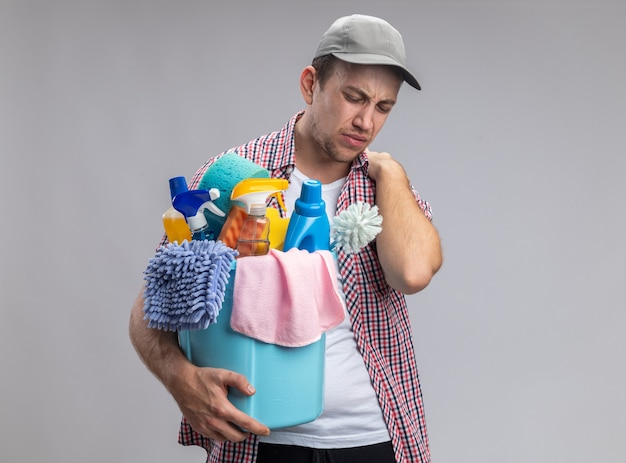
286	298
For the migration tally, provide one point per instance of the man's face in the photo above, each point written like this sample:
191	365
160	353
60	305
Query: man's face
351	108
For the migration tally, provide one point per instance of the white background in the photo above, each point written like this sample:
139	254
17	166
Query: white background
517	139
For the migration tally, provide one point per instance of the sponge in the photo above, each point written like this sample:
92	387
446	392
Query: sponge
226	172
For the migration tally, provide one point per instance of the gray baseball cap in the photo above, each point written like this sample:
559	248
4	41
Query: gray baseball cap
362	39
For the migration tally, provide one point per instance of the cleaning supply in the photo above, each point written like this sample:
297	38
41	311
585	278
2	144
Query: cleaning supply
273	286
289	381
278	230
309	227
272	237
226	171
185	285
246	194
174	222
254	236
192	205
354	227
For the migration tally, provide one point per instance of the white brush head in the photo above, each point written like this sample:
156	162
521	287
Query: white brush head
355	227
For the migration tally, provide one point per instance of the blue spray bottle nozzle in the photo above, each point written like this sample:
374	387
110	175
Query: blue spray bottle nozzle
192	204
177	185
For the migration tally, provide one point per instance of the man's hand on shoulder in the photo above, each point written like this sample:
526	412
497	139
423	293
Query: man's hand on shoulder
383	163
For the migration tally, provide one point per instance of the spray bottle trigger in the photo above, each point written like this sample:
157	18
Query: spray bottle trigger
279	199
214	194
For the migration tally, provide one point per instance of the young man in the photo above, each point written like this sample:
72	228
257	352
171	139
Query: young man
373	406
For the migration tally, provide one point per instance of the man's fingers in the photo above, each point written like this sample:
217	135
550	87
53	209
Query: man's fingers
234	416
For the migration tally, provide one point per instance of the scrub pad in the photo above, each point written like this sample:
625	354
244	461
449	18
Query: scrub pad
226	172
185	284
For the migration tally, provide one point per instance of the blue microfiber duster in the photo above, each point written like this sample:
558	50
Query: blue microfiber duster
185	284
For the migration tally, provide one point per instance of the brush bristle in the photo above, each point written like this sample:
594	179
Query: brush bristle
355	227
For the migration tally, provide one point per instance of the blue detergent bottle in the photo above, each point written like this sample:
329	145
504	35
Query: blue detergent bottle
309	227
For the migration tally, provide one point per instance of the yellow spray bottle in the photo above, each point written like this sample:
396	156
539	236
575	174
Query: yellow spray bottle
174	222
247	228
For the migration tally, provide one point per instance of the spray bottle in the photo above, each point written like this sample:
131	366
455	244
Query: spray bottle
192	205
174	222
309	228
247	227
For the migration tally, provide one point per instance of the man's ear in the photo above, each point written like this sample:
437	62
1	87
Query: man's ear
308	78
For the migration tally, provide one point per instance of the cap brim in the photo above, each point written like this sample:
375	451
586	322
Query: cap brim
366	58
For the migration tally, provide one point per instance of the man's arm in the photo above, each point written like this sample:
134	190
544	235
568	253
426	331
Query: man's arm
201	393
408	246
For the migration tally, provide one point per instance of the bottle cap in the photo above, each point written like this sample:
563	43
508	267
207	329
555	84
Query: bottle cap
310	203
311	191
178	185
257	210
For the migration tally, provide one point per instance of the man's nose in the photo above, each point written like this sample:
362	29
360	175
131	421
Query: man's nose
365	118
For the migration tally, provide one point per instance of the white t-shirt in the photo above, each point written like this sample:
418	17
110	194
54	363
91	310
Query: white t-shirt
352	416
